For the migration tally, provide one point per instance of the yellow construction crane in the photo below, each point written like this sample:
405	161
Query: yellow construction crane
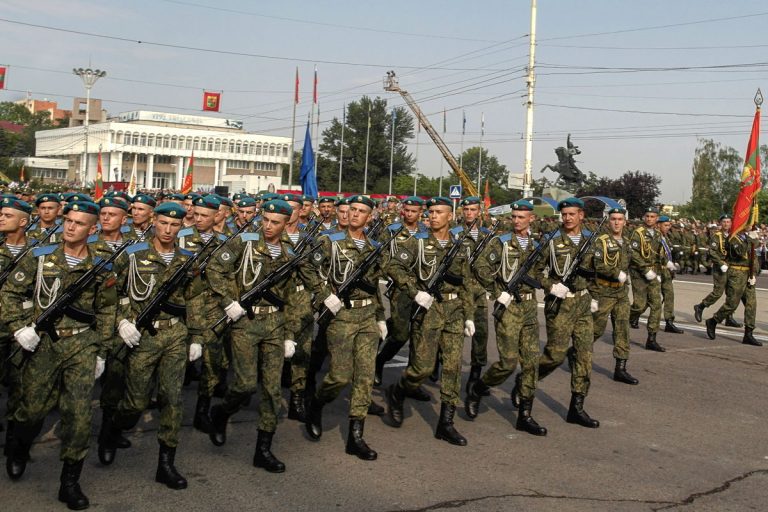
391	84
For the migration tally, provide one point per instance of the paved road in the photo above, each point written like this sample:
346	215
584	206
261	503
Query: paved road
691	436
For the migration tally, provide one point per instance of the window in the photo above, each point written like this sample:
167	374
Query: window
174	140
271	150
189	143
135	139
237	164
158	141
163	159
217	146
167	141
231	146
143	139
197	143
258	149
119	139
151	140
162	180
285	151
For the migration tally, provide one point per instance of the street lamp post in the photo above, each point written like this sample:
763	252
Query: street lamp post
89	77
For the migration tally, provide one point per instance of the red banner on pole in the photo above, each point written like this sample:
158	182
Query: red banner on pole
745	209
99	192
296	89
211	101
3	72
186	186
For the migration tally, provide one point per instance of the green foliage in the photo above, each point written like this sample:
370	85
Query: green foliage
20	144
639	189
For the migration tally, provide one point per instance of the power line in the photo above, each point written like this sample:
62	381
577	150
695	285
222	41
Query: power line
597	109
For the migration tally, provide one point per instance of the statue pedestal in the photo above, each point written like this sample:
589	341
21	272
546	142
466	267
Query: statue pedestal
558	194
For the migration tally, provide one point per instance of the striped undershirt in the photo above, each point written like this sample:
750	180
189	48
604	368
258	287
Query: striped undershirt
113	244
576	239
72	261
443	243
414	230
522	241
274	250
167	257
206	237
359	242
294	237
15	249
474	233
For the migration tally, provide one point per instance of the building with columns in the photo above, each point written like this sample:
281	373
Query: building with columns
161	144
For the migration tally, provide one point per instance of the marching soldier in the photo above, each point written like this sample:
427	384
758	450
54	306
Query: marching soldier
246	212
517	332
141	211
646	282
61	373
48	209
667	272
610	259
189	205
325	205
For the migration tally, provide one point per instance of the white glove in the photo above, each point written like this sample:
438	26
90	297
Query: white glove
469	328
622	276
100	365
670	266
424	299
234	311
677	267
382	325
723	268
27	338
559	290
290	348
754	235
504	299
333	303
195	352
593	306
129	333
650	275
751	281
658	278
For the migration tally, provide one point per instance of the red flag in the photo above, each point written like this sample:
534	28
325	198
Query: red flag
211	101
296	90
487	198
99	193
314	89
21	175
745	208
186	186
3	72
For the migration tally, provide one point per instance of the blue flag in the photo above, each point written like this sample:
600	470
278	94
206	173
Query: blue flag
307	174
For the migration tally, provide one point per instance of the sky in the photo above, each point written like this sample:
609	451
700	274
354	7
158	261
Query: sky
636	84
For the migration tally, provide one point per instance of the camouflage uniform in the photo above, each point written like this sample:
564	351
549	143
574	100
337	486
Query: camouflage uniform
645	245
718	251
36	232
9	370
610	257
479	352
742	264
667	278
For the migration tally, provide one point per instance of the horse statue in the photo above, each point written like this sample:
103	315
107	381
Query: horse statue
570	175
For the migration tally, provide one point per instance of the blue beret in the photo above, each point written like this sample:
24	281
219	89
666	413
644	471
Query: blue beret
440	201
114	202
622	211
47	198
277	206
664	218
294	198
652	209
413	201
145	199
470	200
79	197
341	201
523	205
121	195
173	210
191	197
17	204
64	196
225	200
724	216
367	201
175	197
268	196
210	201
326	199
246	201
305	197
82	206
571	202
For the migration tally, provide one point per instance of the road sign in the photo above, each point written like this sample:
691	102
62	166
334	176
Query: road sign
455	192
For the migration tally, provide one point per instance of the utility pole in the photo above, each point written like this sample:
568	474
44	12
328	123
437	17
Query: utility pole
392	150
531	82
89	77
341	152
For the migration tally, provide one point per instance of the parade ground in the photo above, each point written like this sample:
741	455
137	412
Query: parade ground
691	436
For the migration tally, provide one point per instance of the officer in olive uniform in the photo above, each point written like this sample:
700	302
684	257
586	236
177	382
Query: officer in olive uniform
644	268
48	209
667	272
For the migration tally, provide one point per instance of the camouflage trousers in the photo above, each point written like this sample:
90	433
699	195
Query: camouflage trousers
668	297
162	356
718	279
737	289
10	373
400	313
479	353
300	360
214	360
352	338
113	380
571	325
62	374
646	294
517	335
257	360
613	303
441	327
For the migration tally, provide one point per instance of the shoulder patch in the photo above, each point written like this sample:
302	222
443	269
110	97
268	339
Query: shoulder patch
222	237
506	237
186	252
289	250
484	230
421	235
44	251
458	229
337	236
125	229
141	246
249	237
225	255
394	227
586	232
185	232
374	243
93	239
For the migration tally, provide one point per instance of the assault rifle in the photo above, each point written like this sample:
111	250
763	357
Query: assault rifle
13	264
32	223
204	263
309	235
375	229
482	244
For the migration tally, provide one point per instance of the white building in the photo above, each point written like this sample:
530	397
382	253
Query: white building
162	143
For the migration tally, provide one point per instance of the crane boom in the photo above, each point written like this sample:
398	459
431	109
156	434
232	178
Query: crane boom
391	84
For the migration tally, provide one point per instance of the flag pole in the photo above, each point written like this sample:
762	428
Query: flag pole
341	150
480	155
463	129
316	147
416	159
392	151
293	129
367	146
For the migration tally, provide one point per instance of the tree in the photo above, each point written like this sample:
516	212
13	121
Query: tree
355	147
716	176
639	189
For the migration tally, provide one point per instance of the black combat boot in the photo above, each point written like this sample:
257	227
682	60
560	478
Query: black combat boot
166	471
711	328
570	355
474	374
375	409
698	310
395	400
297	409
219	419
474	396
620	373
8	438
514	395
577	414
435	376
69	491
634	322
749	339
220	389
419	394
732	322
264	458
107	441
671	327
525	421
389	349
17	457
202	419
314	422
445	429
356	445
651	344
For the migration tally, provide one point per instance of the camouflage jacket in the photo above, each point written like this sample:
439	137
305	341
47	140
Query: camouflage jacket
557	259
645	245
500	260
609	258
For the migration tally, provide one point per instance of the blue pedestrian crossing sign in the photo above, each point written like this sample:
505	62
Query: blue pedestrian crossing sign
455	192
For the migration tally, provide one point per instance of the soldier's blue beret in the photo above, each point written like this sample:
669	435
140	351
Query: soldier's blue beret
225	201
64	196
724	216
17	204
571	202
294	198
46	198
367	201
413	201
191	197
393	199
523	205
664	218
237	197
622	211
210	201
114	202
341	201
175	197
122	195
467	201
80	198
326	199
82	206
440	201
268	196
145	199
652	209
173	210
305	197
278	206
246	201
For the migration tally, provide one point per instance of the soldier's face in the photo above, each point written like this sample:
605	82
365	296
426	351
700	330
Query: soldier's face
726	224
190	209
48	211
650	219
471	212
440	216
616	221
359	215
205	218
78	226
272	225
11	220
521	220
222	214
411	213
572	217
246	214
664	227
342	215
111	219
326	210
141	213
166	229
306	207
297	212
